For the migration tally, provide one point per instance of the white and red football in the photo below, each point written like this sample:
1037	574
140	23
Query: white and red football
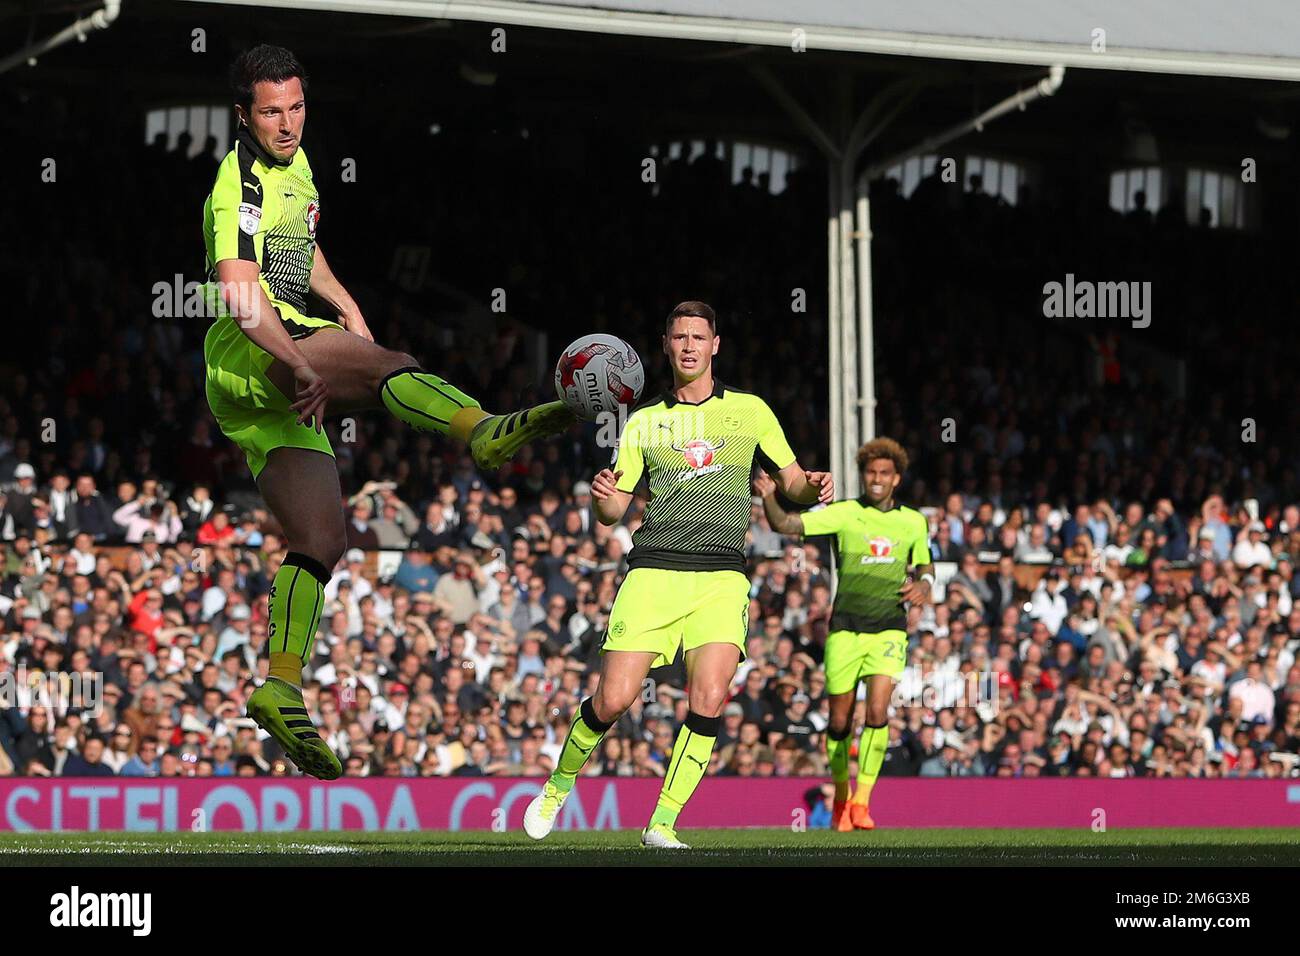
598	373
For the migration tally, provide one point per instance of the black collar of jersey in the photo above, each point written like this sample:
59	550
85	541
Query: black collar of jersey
866	503
249	142
670	399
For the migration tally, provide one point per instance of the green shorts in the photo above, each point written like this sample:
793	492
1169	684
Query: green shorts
852	656
659	610
249	409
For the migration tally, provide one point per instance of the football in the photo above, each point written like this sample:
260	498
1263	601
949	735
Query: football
598	373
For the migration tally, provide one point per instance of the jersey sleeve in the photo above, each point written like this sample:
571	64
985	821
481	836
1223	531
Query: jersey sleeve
920	553
238	229
826	520
629	456
774	452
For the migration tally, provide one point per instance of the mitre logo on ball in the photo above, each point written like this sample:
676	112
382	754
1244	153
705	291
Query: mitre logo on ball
599	374
698	452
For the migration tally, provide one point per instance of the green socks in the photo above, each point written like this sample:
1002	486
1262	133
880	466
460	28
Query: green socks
294	608
585	734
837	758
687	766
425	402
871	755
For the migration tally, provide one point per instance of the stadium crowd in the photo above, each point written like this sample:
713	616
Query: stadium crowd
465	620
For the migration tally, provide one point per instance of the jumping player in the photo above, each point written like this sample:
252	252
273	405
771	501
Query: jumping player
271	368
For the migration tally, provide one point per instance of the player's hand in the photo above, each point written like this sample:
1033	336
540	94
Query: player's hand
356	324
915	592
824	483
605	484
764	485
311	395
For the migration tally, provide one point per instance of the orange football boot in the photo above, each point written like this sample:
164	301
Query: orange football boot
860	817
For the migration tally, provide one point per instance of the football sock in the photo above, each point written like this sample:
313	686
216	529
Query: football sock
584	734
686	767
429	404
294	610
871	755
837	756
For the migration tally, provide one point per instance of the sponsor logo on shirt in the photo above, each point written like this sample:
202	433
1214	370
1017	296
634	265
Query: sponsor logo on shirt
698	453
313	217
881	550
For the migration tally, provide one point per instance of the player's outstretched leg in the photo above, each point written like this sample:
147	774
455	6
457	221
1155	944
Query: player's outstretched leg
429	403
363	375
621	677
302	490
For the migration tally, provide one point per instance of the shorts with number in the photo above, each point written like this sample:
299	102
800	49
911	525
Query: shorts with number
659	611
249	409
852	656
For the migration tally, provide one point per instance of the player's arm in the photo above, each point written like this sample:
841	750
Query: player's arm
917	591
239	238
805	487
612	490
248	304
609	503
327	287
782	521
777	459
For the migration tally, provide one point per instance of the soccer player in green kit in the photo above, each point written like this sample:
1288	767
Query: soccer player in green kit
271	367
877	540
693	449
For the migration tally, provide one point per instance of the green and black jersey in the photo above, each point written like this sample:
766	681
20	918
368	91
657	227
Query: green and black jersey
265	211
875	550
697	460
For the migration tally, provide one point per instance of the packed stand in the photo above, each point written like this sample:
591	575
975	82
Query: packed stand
1160	641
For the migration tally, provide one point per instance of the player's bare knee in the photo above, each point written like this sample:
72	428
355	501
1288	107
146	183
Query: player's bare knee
877	716
327	545
387	362
610	703
708	700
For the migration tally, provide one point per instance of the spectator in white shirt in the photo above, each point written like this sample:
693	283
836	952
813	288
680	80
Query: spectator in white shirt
1256	696
1251	549
1047	603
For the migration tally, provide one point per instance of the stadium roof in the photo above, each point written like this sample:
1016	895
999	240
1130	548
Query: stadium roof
1251	38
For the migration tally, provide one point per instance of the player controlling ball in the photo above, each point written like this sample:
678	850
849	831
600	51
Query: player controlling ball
271	370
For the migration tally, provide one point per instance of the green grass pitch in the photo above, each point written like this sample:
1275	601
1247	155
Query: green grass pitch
758	847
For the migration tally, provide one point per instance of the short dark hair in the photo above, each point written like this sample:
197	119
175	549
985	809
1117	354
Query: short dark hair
262	63
695	308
